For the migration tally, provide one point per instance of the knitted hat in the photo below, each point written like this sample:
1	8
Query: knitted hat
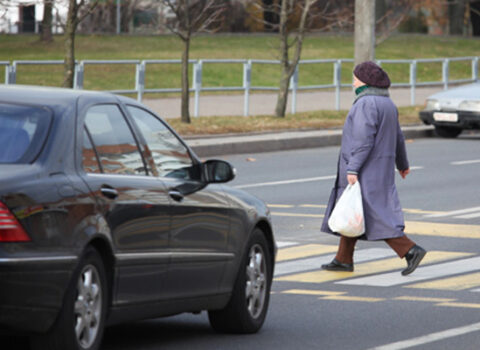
372	74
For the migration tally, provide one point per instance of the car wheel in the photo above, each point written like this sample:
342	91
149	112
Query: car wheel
247	308
81	320
447	131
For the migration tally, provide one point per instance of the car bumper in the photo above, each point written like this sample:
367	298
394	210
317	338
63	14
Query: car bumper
466	120
31	291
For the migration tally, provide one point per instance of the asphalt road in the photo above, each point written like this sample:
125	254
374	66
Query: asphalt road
437	307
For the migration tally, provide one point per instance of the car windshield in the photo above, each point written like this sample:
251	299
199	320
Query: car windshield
22	132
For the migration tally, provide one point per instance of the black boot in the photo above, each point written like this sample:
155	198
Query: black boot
336	265
413	257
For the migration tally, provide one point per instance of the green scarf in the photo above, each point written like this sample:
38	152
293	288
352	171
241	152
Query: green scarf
360	89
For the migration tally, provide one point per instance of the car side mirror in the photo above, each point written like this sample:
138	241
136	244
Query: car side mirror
218	171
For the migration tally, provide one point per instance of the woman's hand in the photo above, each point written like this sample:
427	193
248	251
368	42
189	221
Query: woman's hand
404	173
351	178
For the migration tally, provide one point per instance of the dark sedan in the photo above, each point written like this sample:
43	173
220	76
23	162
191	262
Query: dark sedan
107	216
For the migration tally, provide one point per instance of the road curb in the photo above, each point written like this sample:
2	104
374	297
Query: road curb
289	140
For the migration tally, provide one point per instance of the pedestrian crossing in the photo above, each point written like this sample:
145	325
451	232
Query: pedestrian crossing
464	214
379	268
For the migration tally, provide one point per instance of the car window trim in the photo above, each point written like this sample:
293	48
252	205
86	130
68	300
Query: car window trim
100	166
192	155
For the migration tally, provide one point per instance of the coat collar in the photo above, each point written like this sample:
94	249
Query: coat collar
372	91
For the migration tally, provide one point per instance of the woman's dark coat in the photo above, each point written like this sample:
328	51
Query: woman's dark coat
372	144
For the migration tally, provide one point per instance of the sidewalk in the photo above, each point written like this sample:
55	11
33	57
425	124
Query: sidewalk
264	103
232	105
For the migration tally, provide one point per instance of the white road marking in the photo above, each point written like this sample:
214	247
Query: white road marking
284	244
454	212
464	162
287	182
430	338
468	216
302	265
308	179
422	273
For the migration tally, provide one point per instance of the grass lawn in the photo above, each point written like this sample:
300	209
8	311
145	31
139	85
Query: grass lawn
108	47
223	46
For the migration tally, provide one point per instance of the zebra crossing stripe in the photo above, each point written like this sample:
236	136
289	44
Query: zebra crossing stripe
421	274
309	264
369	268
304	251
442	230
454	212
452	283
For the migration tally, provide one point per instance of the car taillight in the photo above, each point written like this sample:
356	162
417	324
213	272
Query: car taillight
10	228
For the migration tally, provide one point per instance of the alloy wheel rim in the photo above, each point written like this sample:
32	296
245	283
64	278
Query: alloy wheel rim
256	286
88	306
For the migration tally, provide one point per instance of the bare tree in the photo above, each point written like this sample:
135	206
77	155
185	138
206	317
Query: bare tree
46	33
73	19
191	16
287	8
389	15
295	19
456	16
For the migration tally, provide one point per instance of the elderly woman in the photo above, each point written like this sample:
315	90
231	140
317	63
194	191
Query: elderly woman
372	144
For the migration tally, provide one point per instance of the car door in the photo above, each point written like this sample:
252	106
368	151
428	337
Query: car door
200	221
134	203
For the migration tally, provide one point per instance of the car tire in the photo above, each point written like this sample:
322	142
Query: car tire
81	320
247	308
447	131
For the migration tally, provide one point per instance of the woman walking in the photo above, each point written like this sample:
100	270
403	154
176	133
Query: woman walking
372	144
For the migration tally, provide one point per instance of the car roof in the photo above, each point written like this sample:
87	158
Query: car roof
46	96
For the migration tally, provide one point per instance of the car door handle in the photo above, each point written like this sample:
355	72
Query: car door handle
175	195
109	192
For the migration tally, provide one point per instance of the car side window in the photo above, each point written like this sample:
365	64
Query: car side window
171	157
113	140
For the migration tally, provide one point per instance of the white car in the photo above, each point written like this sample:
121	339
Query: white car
453	110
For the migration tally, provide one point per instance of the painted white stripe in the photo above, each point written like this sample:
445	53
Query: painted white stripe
416	167
308	179
430	338
475	290
463	162
284	244
302	265
287	182
468	216
454	212
420	274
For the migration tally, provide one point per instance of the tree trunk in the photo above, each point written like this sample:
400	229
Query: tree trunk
69	44
46	34
185	81
475	18
364	31
282	98
456	16
288	68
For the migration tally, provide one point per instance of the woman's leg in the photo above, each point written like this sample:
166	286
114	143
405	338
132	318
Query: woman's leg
406	248
344	259
400	245
345	251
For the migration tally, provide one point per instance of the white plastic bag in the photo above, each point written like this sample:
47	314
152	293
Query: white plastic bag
347	215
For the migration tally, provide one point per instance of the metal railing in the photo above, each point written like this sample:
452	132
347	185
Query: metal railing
198	71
